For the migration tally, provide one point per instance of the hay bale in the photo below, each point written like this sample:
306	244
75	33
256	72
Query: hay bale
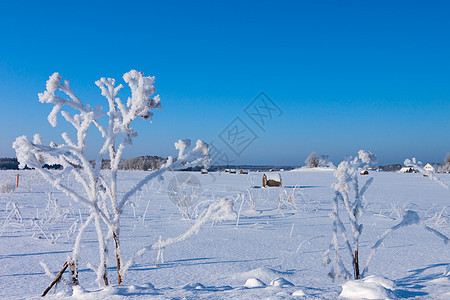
271	179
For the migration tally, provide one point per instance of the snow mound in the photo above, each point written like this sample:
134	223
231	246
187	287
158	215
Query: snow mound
299	293
112	292
108	292
254	283
137	289
281	282
263	273
78	291
371	287
194	286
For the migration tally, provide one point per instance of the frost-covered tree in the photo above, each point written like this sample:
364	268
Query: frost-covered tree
324	161
445	168
312	161
99	192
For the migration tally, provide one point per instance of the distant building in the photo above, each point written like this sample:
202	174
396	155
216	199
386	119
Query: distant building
429	168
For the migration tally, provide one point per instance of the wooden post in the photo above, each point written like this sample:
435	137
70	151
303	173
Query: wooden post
57	278
17	182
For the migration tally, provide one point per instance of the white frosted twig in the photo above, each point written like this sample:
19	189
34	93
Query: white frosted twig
418	166
50	274
216	212
239	213
410	218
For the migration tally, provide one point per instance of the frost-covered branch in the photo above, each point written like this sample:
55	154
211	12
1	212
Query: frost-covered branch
218	211
418	166
196	157
410	218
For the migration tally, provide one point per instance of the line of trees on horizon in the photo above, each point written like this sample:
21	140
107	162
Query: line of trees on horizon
143	163
151	163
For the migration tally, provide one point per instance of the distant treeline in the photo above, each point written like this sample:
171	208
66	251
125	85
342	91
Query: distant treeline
9	164
13	164
390	168
144	163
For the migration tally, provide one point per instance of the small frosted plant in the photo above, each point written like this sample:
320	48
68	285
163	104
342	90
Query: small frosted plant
7	187
349	194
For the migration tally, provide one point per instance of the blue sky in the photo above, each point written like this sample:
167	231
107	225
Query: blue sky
346	75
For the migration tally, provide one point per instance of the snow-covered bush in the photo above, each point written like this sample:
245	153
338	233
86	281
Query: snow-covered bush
44	222
99	193
293	199
7	186
444	168
13	217
185	190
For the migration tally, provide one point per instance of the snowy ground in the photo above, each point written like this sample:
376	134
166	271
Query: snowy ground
279	240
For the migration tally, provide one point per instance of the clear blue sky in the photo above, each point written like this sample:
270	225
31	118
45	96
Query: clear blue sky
347	75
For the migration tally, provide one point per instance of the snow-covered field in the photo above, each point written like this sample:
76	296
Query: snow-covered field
275	251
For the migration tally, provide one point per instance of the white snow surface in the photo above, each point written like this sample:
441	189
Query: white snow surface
279	241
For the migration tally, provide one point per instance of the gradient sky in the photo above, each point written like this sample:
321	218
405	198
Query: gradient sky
347	75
